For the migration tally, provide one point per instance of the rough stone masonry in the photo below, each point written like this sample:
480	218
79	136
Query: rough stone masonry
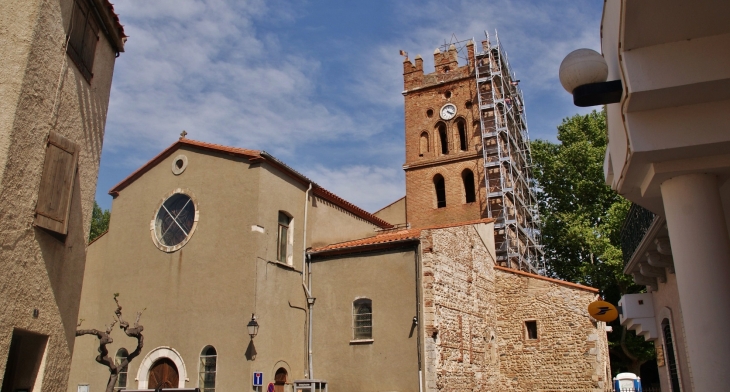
475	322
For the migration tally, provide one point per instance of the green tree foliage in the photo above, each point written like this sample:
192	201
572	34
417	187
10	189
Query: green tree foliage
581	223
99	222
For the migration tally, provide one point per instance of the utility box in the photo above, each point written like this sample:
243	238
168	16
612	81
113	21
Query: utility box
310	386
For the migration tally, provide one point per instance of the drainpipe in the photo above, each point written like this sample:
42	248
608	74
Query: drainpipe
310	305
306	275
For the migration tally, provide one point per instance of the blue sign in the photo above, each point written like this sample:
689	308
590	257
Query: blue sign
258	379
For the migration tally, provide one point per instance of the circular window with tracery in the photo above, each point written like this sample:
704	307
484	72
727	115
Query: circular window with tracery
175	221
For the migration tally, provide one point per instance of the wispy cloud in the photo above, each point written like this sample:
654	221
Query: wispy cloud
226	72
373	187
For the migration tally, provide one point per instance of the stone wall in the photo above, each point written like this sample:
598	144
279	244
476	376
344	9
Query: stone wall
570	352
474	316
459	312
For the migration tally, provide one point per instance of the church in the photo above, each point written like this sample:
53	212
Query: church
439	291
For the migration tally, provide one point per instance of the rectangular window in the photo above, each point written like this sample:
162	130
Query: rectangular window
531	329
82	37
283	237
362	319
57	183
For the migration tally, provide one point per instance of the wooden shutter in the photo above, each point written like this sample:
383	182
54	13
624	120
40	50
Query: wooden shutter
57	183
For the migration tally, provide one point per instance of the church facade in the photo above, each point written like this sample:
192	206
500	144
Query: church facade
209	238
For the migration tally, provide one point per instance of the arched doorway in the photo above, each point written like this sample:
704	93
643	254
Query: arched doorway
163	374
280	380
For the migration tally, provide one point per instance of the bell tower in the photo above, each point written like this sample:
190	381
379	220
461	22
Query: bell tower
467	149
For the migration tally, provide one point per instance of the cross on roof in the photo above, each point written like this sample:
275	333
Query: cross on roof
183	134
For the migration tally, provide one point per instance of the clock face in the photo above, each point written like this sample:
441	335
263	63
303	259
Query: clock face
448	111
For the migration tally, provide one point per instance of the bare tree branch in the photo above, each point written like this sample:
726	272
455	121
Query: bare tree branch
105	338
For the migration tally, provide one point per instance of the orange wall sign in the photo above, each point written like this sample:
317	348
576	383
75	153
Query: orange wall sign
602	311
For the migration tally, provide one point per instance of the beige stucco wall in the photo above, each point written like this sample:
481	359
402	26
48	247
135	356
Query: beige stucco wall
329	224
39	271
394	213
204	293
390	362
571	351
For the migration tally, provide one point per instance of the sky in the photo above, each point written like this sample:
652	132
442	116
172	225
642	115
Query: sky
317	84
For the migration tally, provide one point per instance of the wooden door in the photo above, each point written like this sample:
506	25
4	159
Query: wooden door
163	374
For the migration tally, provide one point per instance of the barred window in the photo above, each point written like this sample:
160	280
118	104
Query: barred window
122	377
670	357
206	380
362	319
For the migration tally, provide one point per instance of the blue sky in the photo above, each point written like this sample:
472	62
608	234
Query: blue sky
316	83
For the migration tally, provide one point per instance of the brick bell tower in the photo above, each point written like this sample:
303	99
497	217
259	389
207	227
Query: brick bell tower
444	164
466	134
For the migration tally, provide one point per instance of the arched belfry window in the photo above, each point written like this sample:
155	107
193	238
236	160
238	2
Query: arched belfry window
423	147
440	187
443	138
467	177
461	126
362	319
208	367
122	376
672	364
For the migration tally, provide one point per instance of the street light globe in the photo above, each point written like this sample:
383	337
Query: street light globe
582	66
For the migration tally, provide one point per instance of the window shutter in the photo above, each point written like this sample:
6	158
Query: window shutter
57	182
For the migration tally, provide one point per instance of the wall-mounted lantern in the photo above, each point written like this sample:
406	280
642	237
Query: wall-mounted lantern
583	73
253	326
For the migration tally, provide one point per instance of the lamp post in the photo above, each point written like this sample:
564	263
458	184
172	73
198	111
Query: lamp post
253	326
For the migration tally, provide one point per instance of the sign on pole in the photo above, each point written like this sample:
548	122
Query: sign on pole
258	379
270	387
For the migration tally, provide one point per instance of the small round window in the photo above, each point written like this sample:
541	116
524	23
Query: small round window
175	221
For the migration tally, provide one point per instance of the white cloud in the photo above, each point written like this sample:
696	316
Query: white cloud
201	66
370	187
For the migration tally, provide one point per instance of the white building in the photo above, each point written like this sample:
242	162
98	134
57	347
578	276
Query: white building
669	152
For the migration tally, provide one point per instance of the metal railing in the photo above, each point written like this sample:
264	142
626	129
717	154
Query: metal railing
637	222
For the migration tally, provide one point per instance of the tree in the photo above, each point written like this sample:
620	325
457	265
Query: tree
582	219
105	338
99	222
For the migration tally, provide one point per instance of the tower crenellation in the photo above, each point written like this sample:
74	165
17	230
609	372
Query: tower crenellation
467	153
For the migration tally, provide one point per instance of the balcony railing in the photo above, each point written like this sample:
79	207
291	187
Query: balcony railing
637	222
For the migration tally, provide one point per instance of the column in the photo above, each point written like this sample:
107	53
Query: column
701	252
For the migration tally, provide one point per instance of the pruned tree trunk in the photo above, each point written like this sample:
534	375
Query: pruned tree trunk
105	338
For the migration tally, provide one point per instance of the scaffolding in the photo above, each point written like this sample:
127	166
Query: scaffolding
507	161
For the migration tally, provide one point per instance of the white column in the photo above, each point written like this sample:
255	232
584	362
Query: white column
701	252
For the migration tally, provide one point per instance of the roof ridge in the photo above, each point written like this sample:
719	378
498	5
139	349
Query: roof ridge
553	280
253	155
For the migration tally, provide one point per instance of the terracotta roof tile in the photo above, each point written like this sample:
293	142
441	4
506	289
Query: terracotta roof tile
395	236
115	16
392	236
253	156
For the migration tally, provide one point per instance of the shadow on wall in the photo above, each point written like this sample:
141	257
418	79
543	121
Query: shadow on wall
65	264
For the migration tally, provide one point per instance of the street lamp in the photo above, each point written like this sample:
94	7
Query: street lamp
253	326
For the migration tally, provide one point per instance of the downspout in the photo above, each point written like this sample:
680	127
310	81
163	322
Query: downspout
310	305
418	315
305	274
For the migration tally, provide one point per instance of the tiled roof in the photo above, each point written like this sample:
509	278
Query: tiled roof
390	237
114	15
252	156
557	281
